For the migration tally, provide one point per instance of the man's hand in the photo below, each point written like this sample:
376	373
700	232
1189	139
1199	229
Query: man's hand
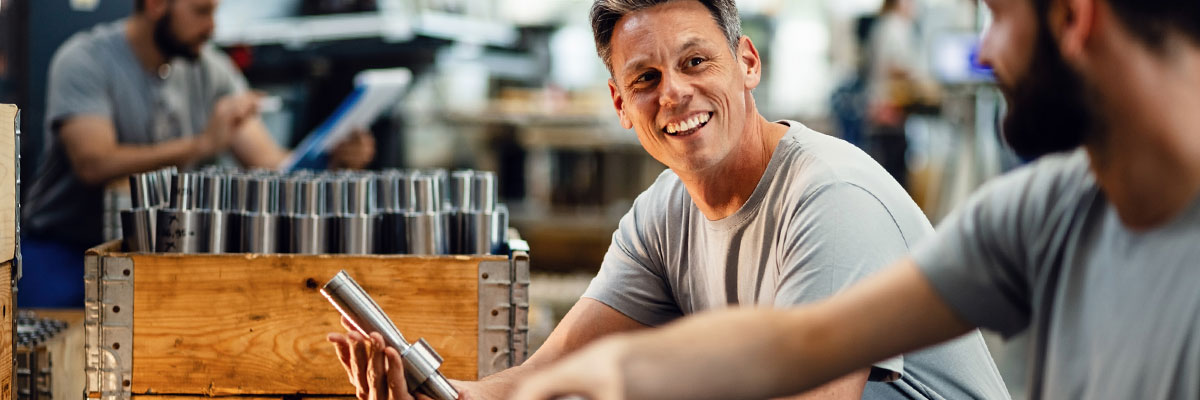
229	116
355	152
376	370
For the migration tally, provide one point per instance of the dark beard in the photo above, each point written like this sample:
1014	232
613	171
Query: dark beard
1048	109
170	45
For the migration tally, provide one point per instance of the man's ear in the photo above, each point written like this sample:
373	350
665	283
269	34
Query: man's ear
750	62
619	104
1072	23
155	9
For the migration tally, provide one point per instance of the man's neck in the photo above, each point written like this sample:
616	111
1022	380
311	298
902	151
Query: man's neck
140	34
1148	162
721	190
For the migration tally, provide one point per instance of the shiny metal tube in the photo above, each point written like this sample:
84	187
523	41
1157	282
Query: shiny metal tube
500	227
179	231
461	191
137	227
483	193
421	362
259	222
425	224
392	235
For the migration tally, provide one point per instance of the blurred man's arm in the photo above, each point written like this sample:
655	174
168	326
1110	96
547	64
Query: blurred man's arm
759	353
254	148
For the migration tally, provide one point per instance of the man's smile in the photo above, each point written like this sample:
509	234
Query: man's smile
689	125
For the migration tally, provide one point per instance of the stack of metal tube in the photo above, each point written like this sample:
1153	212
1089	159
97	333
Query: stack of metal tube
428	212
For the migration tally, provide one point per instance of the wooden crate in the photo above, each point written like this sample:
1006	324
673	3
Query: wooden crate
255	325
10	265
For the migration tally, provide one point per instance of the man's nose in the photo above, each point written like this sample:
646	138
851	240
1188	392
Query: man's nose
675	89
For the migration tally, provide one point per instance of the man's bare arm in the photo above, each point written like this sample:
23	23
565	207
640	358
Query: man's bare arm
254	148
90	143
760	353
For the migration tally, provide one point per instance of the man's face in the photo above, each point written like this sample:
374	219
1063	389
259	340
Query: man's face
185	27
676	82
1047	106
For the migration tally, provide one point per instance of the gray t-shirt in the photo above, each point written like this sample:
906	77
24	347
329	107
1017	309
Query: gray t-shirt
96	73
823	216
1111	313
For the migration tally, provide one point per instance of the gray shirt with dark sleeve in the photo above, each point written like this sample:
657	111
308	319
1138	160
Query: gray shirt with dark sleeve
1111	313
96	73
823	215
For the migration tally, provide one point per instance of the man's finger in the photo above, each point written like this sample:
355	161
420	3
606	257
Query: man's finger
376	373
358	359
395	375
346	323
342	348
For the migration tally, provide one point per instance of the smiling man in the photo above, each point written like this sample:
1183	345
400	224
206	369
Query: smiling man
750	213
1091	252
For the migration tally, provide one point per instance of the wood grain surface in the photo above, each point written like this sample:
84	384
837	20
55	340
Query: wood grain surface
250	324
8	182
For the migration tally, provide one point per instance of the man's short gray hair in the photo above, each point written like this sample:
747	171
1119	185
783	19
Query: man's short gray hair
606	13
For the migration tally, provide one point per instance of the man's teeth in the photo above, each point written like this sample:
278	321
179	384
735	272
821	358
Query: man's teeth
689	124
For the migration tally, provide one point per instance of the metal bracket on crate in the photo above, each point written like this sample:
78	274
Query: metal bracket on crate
108	326
519	267
495	313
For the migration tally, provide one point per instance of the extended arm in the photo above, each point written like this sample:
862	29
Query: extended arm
758	353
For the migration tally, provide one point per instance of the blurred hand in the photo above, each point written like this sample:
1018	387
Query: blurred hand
376	370
229	115
355	152
593	373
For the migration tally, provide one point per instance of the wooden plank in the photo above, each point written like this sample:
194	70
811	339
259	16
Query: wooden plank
66	353
6	331
8	182
250	324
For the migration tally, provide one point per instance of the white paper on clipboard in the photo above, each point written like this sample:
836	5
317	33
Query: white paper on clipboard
375	91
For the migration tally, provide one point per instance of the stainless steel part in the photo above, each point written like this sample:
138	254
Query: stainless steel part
425	233
421	362
500	227
461	195
213	199
391	236
259	222
484	191
307	234
239	188
356	233
138	228
179	231
481	229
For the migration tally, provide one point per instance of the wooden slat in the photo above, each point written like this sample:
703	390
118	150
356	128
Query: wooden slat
6	333
8	182
244	324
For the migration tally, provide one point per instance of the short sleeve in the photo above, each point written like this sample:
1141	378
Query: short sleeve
838	235
224	78
977	259
77	86
631	278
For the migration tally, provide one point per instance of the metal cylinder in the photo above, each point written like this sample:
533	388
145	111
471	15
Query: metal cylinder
213	197
391	237
356	224
421	362
425	224
500	228
179	231
138	230
461	191
259	222
239	188
483	193
307	230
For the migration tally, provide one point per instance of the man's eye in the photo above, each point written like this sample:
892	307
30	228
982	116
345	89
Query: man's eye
646	77
695	61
